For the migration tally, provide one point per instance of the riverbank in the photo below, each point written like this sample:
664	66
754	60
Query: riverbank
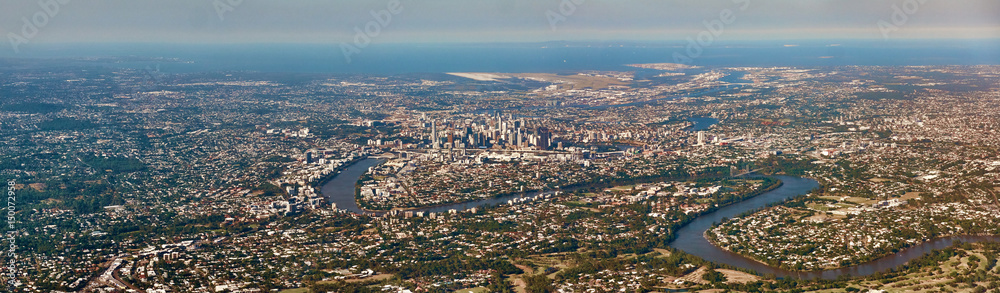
341	188
692	240
698	123
504	197
326	179
949	238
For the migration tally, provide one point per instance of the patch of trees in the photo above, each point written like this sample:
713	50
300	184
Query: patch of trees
65	124
456	264
115	164
341	286
563	246
791	166
499	285
268	190
713	276
35	108
538	284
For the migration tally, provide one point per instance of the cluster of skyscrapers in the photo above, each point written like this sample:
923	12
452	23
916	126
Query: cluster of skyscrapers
502	131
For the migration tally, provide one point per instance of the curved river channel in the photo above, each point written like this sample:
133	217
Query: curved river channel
340	190
690	238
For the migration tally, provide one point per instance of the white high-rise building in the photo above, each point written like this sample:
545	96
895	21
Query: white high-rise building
701	138
434	135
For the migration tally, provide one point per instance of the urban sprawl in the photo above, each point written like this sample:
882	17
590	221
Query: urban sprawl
137	181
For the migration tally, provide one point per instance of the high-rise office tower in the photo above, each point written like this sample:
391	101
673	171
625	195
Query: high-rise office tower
434	134
544	137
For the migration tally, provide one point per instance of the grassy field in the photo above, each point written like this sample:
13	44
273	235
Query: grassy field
910	195
473	290
623	188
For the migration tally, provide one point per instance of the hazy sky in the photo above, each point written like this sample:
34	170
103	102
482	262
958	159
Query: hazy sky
334	21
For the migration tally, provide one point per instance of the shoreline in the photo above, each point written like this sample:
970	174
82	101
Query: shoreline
326	179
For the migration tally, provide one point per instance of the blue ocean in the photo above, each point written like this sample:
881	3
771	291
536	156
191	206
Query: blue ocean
523	57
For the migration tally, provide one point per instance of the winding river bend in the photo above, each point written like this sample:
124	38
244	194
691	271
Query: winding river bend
341	190
691	238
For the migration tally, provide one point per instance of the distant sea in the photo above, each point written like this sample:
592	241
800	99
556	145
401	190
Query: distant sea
524	57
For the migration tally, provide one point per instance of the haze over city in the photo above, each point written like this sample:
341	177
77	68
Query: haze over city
500	146
310	21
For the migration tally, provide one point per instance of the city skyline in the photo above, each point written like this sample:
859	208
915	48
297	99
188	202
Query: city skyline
531	146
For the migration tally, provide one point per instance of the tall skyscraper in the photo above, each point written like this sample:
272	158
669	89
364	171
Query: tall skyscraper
499	121
434	134
544	138
701	138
